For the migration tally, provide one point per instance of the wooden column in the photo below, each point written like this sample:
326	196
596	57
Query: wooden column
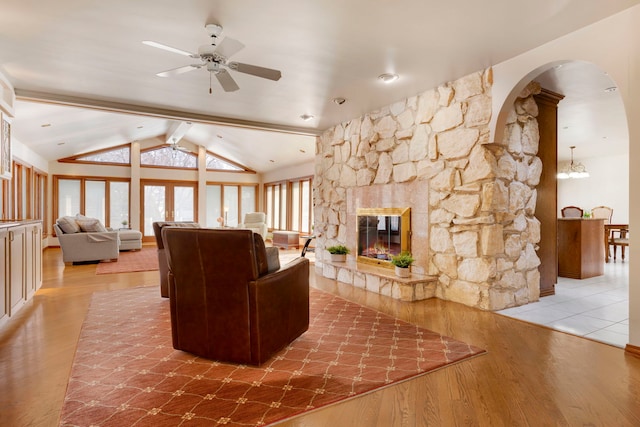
547	204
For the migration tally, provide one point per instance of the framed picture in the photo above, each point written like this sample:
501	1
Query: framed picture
5	147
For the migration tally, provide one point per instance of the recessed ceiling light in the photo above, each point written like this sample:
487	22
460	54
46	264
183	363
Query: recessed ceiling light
388	77
302	151
272	161
339	101
306	117
611	89
46	125
60	143
140	127
219	136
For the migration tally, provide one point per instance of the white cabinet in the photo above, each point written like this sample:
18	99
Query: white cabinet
4	273
21	268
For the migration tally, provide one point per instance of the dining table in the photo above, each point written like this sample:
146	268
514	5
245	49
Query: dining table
609	232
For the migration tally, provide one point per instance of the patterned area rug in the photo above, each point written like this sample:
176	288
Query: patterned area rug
126	371
145	259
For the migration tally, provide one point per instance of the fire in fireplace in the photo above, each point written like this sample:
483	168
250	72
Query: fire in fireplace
382	233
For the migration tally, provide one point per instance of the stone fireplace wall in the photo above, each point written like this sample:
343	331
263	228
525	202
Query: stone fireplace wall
480	230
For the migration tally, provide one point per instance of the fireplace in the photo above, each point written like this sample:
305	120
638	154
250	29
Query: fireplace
382	233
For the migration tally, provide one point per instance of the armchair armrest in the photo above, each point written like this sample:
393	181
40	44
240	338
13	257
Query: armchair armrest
281	306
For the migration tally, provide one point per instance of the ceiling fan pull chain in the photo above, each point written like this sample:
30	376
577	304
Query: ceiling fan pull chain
209	83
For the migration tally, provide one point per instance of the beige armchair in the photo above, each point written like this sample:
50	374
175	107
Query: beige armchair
257	222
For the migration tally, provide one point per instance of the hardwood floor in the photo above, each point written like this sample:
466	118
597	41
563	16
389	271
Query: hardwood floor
531	375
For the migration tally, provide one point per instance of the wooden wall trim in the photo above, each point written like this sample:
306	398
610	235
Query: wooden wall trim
633	350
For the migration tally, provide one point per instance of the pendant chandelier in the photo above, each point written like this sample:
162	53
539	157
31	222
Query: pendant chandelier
573	170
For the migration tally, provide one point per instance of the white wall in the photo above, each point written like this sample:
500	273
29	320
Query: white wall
26	154
296	171
608	185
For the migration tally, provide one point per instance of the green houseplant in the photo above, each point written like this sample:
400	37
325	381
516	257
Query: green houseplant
402	262
338	252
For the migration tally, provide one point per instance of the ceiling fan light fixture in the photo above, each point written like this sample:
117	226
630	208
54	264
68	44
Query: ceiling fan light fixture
388	77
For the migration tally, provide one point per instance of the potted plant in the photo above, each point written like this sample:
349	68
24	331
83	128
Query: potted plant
402	262
338	253
124	223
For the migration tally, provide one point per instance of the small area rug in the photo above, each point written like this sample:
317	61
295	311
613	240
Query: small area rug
145	259
126	372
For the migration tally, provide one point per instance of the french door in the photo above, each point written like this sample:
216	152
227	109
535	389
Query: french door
166	201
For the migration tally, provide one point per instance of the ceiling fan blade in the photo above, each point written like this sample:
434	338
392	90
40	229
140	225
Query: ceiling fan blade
226	81
180	70
169	48
254	70
229	47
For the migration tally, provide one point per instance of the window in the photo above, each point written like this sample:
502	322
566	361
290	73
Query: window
288	205
217	163
104	198
24	195
169	157
119	202
229	202
115	156
95	206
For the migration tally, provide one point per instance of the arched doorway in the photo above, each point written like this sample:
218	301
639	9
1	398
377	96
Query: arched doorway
591	116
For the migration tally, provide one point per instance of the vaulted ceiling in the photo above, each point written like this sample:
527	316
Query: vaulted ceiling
90	53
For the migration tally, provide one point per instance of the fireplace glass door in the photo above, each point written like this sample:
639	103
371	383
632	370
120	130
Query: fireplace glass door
382	233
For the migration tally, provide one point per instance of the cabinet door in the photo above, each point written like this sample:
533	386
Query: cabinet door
4	273
16	268
29	285
37	256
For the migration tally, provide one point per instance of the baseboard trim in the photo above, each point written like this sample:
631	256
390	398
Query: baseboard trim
633	350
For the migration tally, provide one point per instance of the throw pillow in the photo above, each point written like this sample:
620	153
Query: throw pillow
90	225
68	225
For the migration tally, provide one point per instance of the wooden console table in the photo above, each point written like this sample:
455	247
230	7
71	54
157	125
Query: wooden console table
286	239
580	247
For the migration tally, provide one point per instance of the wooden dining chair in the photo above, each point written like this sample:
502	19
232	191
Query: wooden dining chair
571	212
603	212
621	239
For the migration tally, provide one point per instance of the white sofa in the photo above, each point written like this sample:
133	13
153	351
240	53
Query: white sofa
87	246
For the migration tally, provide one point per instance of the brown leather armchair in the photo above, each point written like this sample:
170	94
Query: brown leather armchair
162	258
225	304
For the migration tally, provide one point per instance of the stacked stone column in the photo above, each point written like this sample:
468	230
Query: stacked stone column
482	233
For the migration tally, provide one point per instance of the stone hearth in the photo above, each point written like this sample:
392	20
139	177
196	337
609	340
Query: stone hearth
381	280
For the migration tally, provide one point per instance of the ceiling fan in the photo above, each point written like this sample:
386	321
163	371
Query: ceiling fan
214	58
175	147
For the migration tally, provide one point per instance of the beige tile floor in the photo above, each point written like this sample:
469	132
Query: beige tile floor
596	308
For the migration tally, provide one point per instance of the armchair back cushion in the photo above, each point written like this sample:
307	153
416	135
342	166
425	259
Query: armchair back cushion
225	305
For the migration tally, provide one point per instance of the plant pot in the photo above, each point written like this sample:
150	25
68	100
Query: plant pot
338	257
403	272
